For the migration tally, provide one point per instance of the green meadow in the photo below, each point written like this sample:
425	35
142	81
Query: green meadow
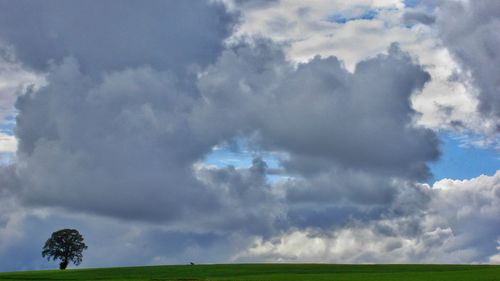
271	272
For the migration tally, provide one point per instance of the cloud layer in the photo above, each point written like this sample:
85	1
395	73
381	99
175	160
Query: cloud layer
135	98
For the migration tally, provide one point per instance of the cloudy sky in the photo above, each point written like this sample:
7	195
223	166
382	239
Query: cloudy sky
359	131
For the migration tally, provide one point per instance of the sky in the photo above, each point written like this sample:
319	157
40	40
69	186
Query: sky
230	131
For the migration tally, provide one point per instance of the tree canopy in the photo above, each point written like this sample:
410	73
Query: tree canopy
66	245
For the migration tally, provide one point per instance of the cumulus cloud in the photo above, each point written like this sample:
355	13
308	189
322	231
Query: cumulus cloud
469	29
319	112
456	224
109	143
125	144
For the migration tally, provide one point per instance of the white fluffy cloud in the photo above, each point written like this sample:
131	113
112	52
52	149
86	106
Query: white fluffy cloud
447	102
458	225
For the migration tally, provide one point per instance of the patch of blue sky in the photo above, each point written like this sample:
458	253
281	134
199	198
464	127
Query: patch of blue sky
8	125
7	128
459	161
272	179
240	155
344	17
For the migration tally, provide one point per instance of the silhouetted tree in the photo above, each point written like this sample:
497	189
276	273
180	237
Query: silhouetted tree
65	245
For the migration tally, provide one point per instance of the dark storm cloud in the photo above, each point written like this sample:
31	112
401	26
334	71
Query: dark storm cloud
111	34
124	144
470	31
108	134
108	146
123	147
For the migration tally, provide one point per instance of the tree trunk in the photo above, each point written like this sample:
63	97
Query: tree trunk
63	265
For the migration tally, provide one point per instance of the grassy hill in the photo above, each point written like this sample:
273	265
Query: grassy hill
270	272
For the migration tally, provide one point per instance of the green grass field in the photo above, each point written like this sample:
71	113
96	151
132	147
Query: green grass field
263	272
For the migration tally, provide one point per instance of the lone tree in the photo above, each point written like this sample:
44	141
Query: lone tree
66	245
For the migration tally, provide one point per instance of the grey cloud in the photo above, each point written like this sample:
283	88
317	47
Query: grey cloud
344	196
470	31
254	4
326	120
123	147
323	217
247	198
8	180
320	112
342	186
414	16
124	144
120	147
111	34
